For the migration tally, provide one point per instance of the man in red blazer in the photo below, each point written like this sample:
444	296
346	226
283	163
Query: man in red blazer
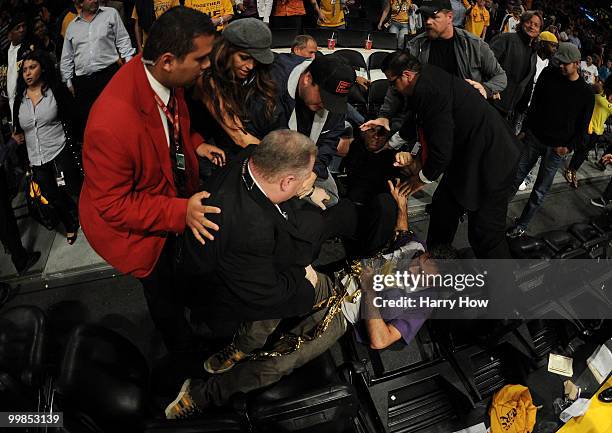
141	169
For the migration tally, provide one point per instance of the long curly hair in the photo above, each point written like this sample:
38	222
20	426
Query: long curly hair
220	82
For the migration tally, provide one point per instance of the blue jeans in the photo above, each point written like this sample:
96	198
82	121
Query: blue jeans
551	161
400	30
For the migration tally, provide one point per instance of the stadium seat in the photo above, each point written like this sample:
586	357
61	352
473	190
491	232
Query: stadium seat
320	35
592	240
351	38
22	357
103	386
376	58
283	38
376	96
564	245
352	57
383	41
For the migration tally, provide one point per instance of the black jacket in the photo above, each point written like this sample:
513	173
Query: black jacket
519	60
466	138
560	109
254	269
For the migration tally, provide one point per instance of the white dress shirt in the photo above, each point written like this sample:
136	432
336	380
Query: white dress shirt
164	94
11	75
91	46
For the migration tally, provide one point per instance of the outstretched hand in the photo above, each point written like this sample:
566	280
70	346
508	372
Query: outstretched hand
196	217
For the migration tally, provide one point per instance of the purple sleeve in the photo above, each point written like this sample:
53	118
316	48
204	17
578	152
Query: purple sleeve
408	328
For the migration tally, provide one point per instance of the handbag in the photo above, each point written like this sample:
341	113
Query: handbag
39	207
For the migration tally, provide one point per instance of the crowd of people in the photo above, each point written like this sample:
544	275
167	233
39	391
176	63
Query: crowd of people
202	163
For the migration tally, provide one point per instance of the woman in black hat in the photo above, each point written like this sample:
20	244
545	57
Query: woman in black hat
234	101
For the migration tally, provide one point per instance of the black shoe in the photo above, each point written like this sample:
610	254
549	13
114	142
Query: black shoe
515	232
600	166
599	202
5	291
32	258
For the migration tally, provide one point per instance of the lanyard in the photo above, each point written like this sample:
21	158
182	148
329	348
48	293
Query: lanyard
176	128
173	119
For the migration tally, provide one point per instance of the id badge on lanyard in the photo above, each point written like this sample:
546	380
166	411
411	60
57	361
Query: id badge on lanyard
180	161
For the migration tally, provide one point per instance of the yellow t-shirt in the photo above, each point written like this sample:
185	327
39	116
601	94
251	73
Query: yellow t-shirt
601	112
477	20
213	8
399	10
333	12
67	20
159	6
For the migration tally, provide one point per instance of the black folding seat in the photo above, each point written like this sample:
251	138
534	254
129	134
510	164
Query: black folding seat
592	239
564	245
22	357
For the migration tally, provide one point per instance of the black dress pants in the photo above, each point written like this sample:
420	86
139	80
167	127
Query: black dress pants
9	232
87	88
376	224
486	226
64	205
164	292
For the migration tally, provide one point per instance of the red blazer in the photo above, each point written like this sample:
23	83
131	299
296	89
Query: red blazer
128	203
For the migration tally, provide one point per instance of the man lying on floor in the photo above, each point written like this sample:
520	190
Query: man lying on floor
243	366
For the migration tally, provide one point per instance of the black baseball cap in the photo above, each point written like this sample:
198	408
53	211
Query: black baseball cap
335	79
429	8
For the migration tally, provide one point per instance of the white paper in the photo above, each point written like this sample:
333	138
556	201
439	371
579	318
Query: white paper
578	408
363	73
600	363
377	74
559	364
478	428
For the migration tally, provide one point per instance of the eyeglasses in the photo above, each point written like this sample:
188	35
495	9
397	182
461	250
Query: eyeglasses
392	82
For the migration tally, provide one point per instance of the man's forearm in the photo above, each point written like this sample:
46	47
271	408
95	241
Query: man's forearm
401	222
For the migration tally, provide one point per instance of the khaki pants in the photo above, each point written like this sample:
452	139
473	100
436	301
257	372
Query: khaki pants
254	374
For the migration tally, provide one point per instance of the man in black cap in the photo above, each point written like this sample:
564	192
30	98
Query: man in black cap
313	101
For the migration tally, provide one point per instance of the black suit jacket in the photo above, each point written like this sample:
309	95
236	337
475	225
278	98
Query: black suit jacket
254	269
467	140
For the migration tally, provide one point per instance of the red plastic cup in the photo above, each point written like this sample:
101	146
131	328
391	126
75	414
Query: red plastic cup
331	44
368	44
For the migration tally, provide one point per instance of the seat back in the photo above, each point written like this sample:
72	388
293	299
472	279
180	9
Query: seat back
592	240
105	376
353	38
564	245
320	35
311	399
527	247
376	96
352	57
376	59
383	40
22	344
283	38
